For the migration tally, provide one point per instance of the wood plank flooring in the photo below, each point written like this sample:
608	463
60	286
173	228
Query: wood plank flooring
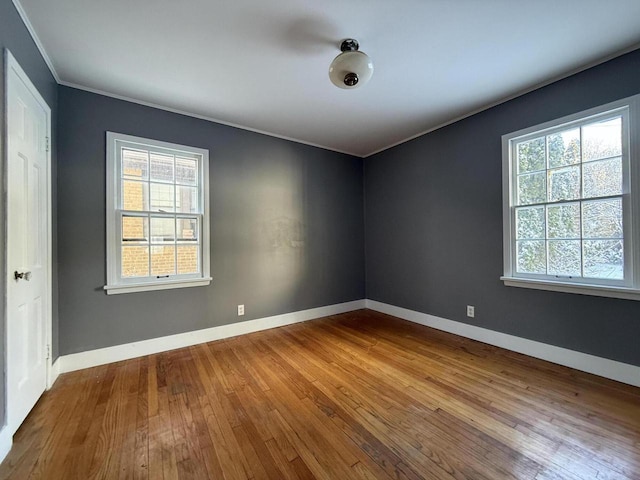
355	396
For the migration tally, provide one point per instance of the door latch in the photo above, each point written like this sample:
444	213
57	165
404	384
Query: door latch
24	275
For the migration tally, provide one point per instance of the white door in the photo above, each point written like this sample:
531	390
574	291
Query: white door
28	296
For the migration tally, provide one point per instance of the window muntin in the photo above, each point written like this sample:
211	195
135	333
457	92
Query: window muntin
568	201
157	213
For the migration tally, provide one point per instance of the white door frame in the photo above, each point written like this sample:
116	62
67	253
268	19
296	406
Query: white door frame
12	66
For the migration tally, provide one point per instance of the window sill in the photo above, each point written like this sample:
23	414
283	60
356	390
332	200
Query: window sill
582	289
147	287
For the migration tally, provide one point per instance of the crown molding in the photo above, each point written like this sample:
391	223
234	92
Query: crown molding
488	106
201	117
36	39
520	93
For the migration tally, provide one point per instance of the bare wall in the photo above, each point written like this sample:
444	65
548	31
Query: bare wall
286	226
434	225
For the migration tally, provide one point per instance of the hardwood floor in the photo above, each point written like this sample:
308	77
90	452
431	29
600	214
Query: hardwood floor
355	396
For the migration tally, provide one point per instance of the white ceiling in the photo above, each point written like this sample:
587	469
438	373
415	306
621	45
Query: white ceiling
262	65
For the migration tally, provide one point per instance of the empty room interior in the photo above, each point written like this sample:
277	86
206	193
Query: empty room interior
297	240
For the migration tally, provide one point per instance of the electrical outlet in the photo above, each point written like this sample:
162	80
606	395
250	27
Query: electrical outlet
471	311
240	310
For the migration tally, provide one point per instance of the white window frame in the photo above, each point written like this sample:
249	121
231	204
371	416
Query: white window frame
629	287
117	284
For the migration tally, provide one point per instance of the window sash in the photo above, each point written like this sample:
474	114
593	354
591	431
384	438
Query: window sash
581	239
118	283
149	243
627	109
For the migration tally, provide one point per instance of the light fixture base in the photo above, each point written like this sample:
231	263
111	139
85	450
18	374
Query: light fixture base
349	45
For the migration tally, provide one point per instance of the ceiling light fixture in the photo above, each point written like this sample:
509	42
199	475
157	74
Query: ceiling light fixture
351	68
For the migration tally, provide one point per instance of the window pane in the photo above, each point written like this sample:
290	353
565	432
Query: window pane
604	259
135	261
156	213
564	184
532	188
531	155
602	219
135	164
530	223
602	139
563	221
602	178
564	148
161	167
135	229
565	258
187	229
163	230
163	260
186	199
162	197
187	259
135	195
186	171
532	257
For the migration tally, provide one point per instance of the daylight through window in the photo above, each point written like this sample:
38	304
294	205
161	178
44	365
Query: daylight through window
157	215
569	193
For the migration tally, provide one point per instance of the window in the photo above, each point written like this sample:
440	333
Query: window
157	215
570	187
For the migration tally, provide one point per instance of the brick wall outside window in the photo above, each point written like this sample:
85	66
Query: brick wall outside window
135	258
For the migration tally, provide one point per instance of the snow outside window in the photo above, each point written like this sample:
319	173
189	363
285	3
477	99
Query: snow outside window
570	188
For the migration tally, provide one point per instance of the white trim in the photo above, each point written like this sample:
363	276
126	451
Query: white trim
537	86
520	93
116	283
324	147
612	369
581	289
36	39
147	287
202	117
622	372
54	373
92	358
12	64
628	109
6	441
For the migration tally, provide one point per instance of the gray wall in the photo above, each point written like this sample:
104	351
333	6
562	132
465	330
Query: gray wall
434	225
15	36
286	226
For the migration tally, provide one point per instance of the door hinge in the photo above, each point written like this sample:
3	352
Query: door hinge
48	352
47	143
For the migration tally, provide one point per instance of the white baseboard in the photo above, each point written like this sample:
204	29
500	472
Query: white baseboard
603	367
92	358
54	373
6	440
6	435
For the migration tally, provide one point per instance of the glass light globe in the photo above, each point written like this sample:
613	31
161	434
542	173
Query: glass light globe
351	69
